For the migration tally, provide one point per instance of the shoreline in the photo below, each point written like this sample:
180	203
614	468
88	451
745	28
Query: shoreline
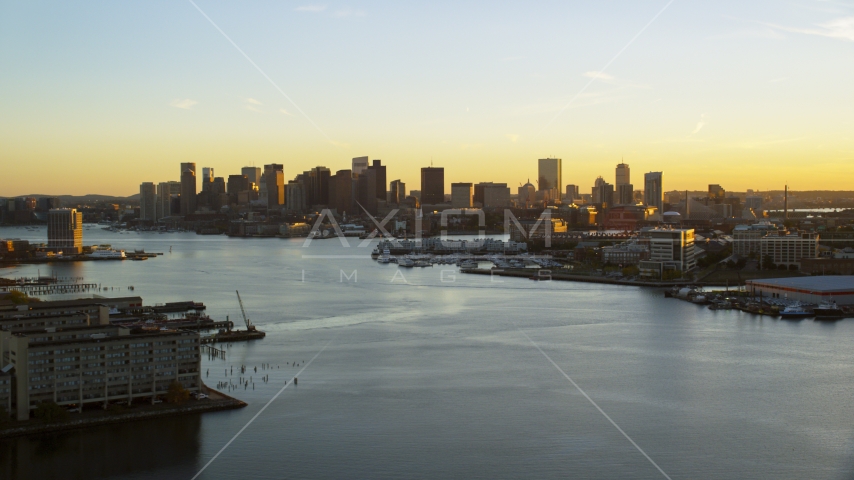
35	427
556	275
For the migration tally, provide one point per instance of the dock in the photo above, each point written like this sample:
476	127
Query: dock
233	336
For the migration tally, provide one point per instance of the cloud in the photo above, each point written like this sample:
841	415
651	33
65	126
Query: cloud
253	101
840	28
186	103
311	8
599	76
512	136
286	112
700	124
349	12
253	108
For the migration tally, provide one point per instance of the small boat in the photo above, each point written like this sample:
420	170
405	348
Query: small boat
375	254
827	311
406	262
468	264
423	263
795	312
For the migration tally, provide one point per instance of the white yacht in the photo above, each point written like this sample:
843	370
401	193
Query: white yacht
107	254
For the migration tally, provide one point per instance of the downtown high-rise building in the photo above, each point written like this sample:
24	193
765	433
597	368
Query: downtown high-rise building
549	178
432	185
360	164
653	191
623	175
207	178
188	189
341	196
65	230
274	180
166	191
253	174
397	192
148	202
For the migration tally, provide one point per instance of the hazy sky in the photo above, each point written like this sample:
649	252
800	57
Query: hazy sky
97	97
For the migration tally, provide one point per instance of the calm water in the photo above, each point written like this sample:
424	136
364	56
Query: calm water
430	379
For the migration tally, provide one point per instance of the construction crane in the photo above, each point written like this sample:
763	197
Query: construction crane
249	325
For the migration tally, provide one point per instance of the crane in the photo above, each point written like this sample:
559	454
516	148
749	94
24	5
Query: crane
249	326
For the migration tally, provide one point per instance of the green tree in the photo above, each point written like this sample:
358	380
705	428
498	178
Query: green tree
177	394
50	412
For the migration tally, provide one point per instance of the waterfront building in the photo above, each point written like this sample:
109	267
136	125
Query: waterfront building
79	365
88	306
166	191
188	192
788	248
628	253
814	290
653	192
148	202
462	195
432	185
65	230
549	172
669	249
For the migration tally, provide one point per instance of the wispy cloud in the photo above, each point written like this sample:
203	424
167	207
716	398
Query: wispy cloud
285	112
186	103
512	136
253	101
349	12
600	76
311	8
700	124
840	28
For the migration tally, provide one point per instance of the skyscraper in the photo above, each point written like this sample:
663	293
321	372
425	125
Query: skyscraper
274	178
549	176
380	189
207	178
398	192
341	191
653	191
65	230
188	190
603	192
148	202
624	195
432	185
623	177
253	174
572	192
360	164
165	192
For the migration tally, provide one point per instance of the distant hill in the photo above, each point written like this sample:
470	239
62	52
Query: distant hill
89	198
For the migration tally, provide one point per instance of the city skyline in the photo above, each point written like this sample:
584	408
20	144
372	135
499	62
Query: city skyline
754	97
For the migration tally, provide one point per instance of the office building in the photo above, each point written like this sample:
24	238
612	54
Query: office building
341	197
669	249
787	248
572	192
360	164
65	230
207	178
252	173
432	185
496	195
527	194
295	201
397	192
653	191
549	176
148	202
237	184
462	195
79	365
603	193
188	192
380	173
624	195
166	192
274	180
716	192
753	202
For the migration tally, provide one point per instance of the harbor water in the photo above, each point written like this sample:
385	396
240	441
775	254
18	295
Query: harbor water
429	373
